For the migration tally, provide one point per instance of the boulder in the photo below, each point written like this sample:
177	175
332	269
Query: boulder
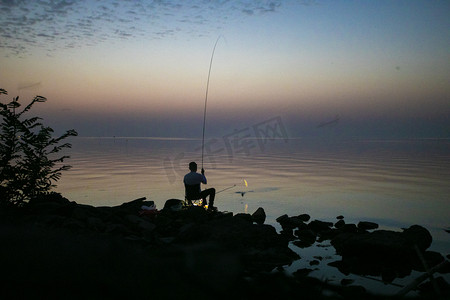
306	236
52	197
244	216
83	212
259	216
172	205
349	228
427	290
380	243
328	234
318	226
347	281
304	217
282	218
339	224
288	234
193	214
432	259
382	252
302	272
139	223
314	262
419	236
290	222
301	244
364	225
95	223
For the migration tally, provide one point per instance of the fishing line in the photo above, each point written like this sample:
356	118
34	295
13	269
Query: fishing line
230	187
206	97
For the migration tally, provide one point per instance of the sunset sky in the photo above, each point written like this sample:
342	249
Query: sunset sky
377	69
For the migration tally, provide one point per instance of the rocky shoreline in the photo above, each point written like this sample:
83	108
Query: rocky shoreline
55	246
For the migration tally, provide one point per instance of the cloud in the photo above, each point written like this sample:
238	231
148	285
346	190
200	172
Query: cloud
53	24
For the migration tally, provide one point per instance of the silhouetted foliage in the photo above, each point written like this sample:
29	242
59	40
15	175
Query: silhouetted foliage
27	150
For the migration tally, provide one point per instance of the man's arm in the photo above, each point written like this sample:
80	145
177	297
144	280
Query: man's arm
204	181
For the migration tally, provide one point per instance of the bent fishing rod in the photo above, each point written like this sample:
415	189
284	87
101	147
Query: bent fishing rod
206	96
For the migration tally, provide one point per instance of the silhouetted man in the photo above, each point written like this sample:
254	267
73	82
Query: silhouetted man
192	181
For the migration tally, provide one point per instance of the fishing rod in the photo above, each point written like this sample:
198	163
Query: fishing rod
206	97
230	187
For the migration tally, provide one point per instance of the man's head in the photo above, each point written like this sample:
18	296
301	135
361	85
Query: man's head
193	166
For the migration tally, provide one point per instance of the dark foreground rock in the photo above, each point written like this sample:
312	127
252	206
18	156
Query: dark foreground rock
366	251
57	248
385	253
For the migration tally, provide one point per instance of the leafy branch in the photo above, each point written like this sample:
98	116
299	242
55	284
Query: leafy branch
27	166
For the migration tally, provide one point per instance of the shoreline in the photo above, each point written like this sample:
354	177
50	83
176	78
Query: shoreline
74	245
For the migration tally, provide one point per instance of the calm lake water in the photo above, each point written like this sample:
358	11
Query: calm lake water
396	183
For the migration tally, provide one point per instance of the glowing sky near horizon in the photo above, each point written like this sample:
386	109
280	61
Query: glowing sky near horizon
139	68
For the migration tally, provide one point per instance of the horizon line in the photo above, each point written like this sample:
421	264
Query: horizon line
257	138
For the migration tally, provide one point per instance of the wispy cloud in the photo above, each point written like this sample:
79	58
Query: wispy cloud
53	24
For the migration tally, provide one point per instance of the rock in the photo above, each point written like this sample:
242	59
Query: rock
381	243
259	216
44	206
243	216
428	289
73	225
318	226
282	218
140	223
419	236
83	212
302	272
194	214
327	234
290	222
288	234
301	244
95	223
120	247
431	259
307	236
304	217
340	217
260	246
53	221
118	229
382	252
135	205
354	292
364	225
131	207
339	224
52	197
346	281
349	228
314	262
172	205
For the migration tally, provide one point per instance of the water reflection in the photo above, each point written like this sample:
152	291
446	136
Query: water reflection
405	181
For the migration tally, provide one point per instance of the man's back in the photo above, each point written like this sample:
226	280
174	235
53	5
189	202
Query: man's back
193	178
